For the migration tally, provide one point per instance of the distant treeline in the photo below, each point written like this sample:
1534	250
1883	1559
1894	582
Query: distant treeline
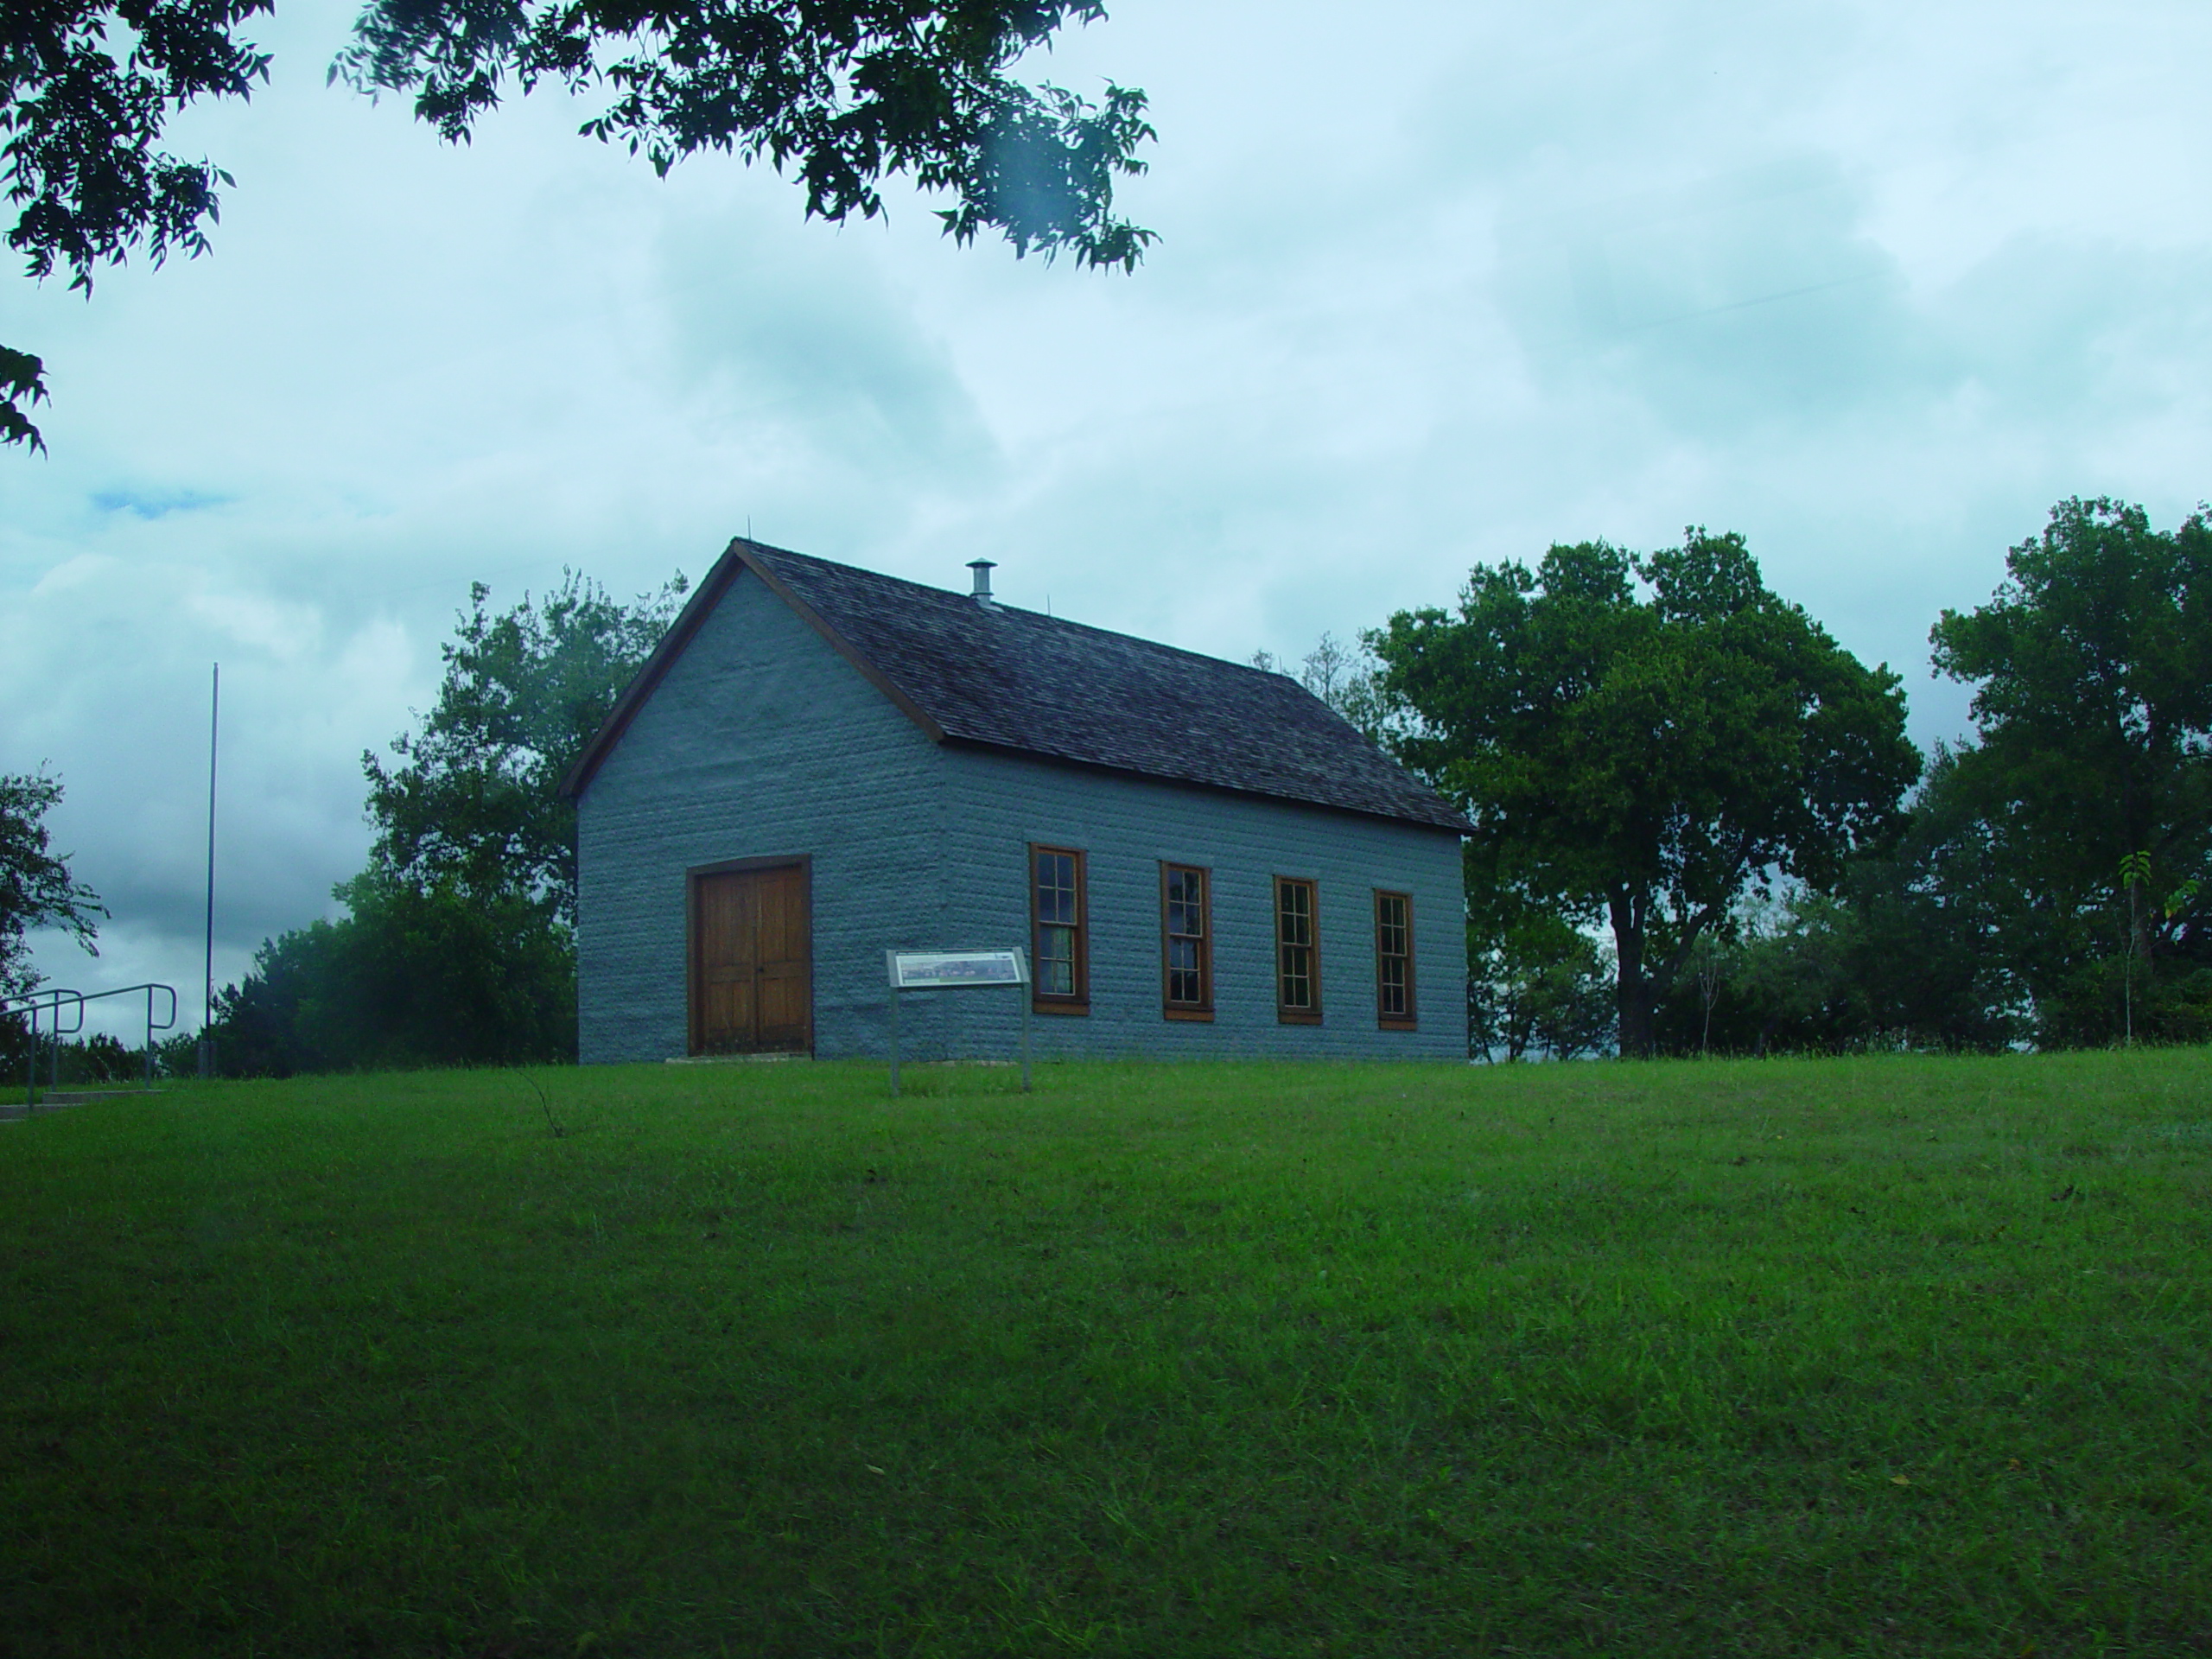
1700	830
1699	826
458	943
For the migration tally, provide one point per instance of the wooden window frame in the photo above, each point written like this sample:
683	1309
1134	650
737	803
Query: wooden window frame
1285	1013
1169	1007
1410	1020
693	877
1042	1001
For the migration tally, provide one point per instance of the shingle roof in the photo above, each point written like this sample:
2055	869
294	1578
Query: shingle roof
1008	679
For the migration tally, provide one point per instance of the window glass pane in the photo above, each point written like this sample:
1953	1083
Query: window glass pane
1183	984
1185	924
1185	913
1294	944
1056	888
1055	960
1057	899
1392	956
1390	912
1185	903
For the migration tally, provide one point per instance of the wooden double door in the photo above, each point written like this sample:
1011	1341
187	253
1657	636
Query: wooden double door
751	960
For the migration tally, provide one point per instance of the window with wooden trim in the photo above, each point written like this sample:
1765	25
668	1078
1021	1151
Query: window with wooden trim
1186	942
1297	952
1057	930
1394	960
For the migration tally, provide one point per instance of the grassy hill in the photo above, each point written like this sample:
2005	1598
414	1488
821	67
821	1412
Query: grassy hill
1898	1356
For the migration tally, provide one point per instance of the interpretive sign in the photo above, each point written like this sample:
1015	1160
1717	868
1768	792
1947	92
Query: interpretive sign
950	971
919	970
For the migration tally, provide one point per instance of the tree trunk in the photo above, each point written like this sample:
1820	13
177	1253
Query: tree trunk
1637	1009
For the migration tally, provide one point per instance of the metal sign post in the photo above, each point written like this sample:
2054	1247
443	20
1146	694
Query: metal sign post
945	971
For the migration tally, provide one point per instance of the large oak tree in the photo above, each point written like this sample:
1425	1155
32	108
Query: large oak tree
2091	772
1640	739
474	803
842	93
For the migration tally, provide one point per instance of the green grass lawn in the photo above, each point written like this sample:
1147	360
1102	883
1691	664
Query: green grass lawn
1872	1357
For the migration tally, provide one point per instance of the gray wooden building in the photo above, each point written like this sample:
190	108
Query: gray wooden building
819	764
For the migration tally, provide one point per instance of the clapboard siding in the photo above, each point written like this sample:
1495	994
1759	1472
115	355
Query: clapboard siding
760	740
1125	827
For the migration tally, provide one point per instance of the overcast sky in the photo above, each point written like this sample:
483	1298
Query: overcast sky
1437	283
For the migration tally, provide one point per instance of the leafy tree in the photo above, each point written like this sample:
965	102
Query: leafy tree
458	947
22	386
95	1058
1793	974
1900	955
1713	961
2091	775
474	804
1920	960
84	125
1644	756
1348	678
36	889
843	92
263	1023
412	977
1535	985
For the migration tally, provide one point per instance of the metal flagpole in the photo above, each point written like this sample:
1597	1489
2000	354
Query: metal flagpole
208	1017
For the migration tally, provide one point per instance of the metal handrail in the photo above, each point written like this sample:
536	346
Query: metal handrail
152	1024
51	993
31	1003
51	997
